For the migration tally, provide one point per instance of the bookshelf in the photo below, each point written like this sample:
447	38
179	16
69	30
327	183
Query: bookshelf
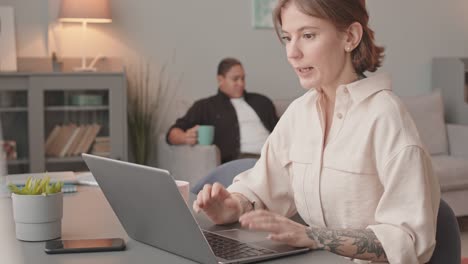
90	105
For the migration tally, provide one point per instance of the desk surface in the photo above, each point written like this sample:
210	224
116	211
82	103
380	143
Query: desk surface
86	214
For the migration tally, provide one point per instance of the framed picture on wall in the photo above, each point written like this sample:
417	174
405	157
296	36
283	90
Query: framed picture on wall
7	39
262	13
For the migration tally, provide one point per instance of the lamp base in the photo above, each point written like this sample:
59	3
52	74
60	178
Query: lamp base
85	69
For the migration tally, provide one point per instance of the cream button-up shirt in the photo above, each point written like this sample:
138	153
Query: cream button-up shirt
373	171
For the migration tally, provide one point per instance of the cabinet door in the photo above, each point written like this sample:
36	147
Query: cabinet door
75	122
77	118
14	125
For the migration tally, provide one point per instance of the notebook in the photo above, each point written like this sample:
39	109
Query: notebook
151	210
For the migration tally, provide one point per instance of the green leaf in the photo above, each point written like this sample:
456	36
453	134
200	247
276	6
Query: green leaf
13	188
37	187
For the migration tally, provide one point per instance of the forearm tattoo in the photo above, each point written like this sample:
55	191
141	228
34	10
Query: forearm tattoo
354	243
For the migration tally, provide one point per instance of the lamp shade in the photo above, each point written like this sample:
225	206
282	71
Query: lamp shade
92	11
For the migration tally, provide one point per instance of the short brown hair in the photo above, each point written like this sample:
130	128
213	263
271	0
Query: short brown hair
226	64
367	56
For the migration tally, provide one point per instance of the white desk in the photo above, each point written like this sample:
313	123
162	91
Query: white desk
88	215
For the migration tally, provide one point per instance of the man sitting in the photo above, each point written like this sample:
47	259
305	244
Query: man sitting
242	120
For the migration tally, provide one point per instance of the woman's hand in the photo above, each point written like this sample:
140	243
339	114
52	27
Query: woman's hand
281	229
218	204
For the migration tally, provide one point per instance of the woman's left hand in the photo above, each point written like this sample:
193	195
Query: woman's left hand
281	229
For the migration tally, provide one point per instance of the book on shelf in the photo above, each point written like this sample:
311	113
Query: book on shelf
71	139
90	138
102	139
101	148
76	140
87	139
83	138
58	142
86	100
52	135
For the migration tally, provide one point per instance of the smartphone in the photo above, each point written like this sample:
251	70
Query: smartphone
84	245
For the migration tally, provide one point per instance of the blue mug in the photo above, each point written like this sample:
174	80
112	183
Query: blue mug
205	135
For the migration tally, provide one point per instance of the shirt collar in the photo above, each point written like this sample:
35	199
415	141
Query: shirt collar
226	97
362	89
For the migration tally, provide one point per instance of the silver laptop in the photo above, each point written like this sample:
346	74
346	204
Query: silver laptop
151	210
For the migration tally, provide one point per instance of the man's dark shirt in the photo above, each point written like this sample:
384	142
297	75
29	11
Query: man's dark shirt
218	111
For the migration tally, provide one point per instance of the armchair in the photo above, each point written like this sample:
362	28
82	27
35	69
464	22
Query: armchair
187	163
192	163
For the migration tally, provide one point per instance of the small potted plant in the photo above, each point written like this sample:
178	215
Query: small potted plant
37	209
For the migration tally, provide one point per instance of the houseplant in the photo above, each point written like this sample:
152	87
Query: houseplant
37	209
150	91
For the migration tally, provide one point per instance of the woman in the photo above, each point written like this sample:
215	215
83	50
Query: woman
346	155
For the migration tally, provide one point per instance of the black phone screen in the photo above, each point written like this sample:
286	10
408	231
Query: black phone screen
84	245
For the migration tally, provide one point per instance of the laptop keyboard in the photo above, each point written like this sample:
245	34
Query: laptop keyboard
227	248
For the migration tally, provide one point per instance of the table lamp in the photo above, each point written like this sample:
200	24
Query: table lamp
84	12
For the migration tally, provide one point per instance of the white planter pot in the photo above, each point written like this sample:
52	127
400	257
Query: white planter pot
38	217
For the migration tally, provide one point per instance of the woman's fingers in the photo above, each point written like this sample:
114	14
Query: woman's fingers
217	203
195	206
211	193
285	237
279	228
255	214
219	191
264	224
262	220
206	196
216	190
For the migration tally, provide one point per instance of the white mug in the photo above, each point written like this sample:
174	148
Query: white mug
184	189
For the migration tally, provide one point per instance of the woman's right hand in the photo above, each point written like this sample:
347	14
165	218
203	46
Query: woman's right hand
218	204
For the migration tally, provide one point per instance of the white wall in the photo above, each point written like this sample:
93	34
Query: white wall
416	31
200	33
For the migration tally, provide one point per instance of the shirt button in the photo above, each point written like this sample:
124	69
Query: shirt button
345	90
339	115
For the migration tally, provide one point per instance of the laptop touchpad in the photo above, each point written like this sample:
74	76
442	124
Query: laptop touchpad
244	235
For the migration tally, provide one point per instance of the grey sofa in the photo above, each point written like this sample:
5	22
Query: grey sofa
447	144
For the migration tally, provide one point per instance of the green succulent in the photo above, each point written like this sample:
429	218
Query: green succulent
37	187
